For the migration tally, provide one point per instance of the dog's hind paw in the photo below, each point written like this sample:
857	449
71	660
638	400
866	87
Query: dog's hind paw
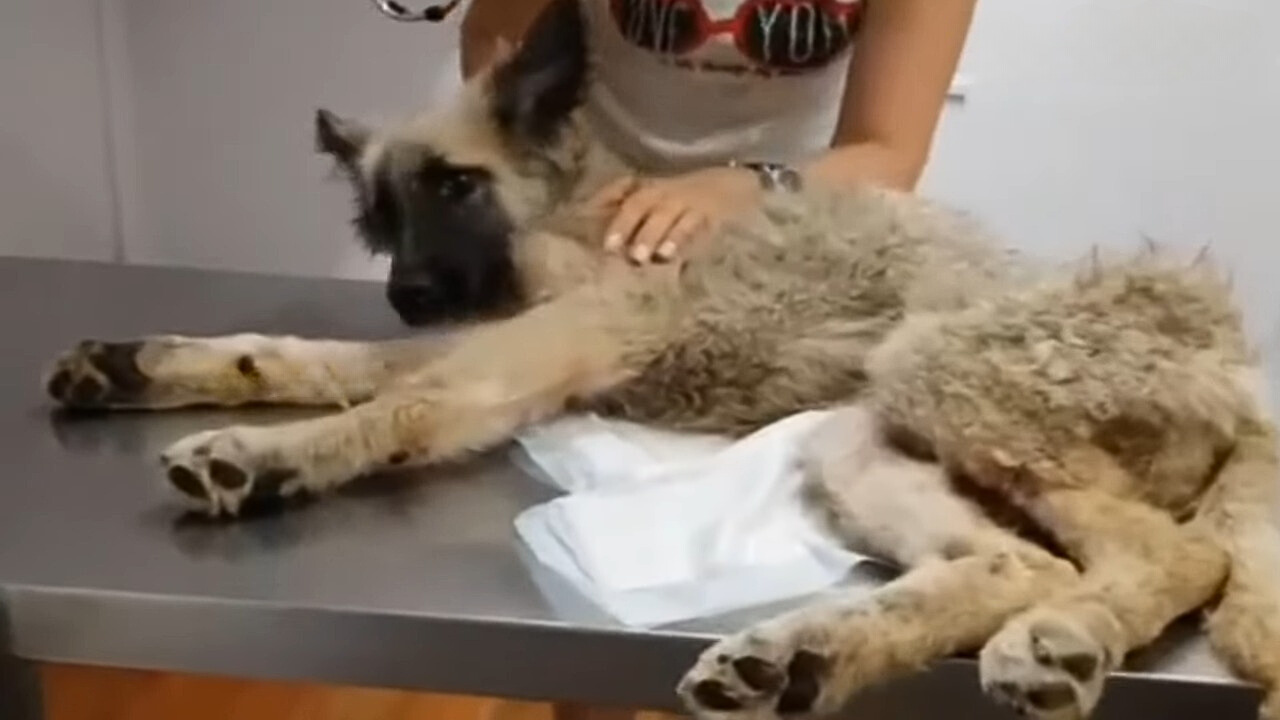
99	375
758	675
1044	667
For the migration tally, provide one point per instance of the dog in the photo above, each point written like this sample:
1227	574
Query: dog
1064	460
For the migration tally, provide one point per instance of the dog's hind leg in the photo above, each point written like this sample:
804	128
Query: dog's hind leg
1141	571
165	372
967	576
1240	510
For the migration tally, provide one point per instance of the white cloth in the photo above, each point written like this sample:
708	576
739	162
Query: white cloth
658	527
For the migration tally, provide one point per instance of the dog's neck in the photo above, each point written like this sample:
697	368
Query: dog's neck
564	247
593	165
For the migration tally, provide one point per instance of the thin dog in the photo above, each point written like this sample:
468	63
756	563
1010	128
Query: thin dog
1065	459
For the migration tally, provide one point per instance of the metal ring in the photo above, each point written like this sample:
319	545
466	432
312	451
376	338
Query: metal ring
432	13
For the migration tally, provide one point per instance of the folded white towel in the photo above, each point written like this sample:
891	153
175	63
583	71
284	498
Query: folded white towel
659	527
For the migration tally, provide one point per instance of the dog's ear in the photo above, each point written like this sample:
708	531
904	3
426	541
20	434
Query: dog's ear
542	82
340	138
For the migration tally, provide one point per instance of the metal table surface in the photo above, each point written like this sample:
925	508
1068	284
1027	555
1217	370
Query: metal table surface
416	581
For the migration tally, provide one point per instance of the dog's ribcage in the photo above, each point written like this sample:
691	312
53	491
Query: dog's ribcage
779	314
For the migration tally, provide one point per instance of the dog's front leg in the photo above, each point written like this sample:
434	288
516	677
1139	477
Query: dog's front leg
495	380
172	371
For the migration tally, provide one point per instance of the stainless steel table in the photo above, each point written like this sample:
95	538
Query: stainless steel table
412	582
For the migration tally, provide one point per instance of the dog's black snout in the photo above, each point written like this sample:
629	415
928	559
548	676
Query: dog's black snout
414	301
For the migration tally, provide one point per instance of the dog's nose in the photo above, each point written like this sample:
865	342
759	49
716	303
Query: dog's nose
413	301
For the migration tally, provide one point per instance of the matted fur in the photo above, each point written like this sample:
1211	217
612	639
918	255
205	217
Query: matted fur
1066	459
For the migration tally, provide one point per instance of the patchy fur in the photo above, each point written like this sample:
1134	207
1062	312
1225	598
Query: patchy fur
1066	459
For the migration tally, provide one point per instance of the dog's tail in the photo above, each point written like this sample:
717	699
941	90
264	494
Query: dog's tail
1240	509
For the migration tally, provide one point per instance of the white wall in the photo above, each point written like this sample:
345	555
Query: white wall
1094	121
223	95
56	195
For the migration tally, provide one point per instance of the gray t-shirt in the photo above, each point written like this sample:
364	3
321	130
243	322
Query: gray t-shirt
686	83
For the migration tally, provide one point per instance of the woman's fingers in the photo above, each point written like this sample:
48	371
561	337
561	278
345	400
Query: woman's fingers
689	225
651	222
631	215
655	233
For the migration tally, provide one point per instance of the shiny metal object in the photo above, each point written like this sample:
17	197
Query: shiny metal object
416	580
432	13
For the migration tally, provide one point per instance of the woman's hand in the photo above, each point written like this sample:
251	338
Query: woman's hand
657	217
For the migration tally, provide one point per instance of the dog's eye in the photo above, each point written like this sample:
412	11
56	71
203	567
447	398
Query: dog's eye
458	185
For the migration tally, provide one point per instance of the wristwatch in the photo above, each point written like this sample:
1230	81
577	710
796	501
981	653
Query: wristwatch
773	176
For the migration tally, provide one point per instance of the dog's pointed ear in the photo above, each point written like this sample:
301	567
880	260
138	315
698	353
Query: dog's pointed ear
536	88
340	138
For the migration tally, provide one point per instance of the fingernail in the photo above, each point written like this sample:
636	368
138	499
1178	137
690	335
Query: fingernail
640	253
613	242
666	250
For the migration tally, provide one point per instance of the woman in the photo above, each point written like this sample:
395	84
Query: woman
699	86
692	87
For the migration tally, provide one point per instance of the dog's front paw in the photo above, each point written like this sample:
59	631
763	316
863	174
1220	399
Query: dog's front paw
1043	666
224	471
761	674
169	371
99	375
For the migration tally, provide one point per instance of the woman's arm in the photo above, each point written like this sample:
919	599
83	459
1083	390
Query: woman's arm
906	55
487	22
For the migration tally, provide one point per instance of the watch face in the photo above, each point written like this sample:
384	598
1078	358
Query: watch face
773	176
781	176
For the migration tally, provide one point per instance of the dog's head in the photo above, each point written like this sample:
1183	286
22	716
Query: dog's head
443	194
